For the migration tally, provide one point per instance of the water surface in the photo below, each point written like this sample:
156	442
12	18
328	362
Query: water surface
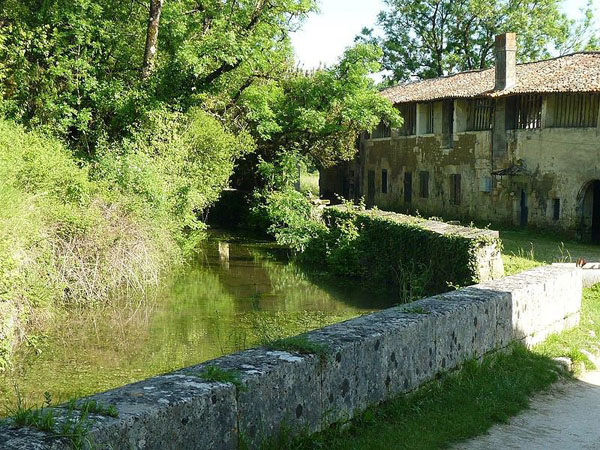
232	296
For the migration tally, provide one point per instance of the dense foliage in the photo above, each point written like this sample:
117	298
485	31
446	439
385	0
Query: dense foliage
64	237
431	38
405	254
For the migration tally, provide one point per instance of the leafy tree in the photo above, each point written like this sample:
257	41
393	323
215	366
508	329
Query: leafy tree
89	69
431	38
320	114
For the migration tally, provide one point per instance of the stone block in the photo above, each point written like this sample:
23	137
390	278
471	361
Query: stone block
176	411
281	392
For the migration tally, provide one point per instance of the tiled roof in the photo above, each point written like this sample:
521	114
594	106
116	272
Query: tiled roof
579	72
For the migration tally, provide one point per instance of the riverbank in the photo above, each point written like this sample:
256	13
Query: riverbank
236	293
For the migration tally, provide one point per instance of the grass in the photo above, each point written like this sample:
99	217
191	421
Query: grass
525	249
220	375
575	342
95	407
73	425
455	407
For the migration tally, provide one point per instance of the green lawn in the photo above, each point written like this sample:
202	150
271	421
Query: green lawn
525	249
466	403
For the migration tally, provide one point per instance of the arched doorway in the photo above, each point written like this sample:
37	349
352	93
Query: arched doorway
590	211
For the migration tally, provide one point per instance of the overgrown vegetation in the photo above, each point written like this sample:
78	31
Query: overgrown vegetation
350	242
218	374
148	131
77	233
71	422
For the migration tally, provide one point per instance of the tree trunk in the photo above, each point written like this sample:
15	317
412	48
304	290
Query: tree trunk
151	38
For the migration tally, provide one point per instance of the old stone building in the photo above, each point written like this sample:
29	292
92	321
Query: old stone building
517	143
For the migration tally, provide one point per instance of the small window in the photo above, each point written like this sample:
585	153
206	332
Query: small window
384	181
382	131
455	189
479	114
408	111
556	207
526	112
576	111
424	184
429	118
448	123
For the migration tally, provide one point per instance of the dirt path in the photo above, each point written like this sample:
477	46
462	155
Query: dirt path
566	418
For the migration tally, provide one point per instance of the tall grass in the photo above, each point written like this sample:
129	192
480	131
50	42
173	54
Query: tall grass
63	238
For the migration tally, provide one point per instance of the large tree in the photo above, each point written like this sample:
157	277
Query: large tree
431	38
87	70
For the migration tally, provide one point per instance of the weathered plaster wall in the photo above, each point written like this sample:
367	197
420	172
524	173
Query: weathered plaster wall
561	161
370	359
470	157
557	163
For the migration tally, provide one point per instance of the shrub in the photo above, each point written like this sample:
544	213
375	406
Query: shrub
173	169
61	235
382	250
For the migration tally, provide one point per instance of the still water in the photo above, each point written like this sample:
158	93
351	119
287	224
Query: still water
233	295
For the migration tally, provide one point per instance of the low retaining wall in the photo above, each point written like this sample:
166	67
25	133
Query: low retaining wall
455	255
370	359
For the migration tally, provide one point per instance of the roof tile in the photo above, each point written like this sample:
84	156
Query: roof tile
578	72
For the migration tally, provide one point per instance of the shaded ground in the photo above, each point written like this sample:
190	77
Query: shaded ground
566	417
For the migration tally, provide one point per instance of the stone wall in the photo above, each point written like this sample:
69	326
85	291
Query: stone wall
485	243
369	360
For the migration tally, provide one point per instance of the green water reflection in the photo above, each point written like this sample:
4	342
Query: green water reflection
217	306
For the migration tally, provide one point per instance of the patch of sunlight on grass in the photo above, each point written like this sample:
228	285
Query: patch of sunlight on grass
525	249
309	182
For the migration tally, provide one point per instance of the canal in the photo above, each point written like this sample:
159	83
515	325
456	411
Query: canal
235	294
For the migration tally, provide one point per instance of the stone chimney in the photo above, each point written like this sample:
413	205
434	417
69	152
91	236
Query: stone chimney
506	61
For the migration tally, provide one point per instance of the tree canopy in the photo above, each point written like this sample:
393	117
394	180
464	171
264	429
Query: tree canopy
90	71
431	38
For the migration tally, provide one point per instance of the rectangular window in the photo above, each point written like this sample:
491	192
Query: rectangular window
429	118
382	131
408	111
479	114
407	187
556	207
576	111
384	181
526	112
455	189
448	123
424	184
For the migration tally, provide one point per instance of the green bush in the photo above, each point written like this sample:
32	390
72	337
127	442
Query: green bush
173	169
416	261
64	237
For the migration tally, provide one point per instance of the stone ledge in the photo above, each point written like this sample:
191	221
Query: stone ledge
370	359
